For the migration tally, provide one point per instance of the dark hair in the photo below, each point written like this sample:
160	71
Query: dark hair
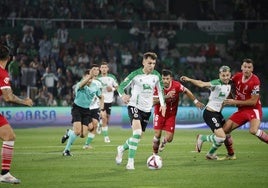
166	72
248	60
87	72
94	65
150	54
4	52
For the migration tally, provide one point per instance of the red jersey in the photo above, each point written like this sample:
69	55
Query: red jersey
4	83
4	80
244	89
171	103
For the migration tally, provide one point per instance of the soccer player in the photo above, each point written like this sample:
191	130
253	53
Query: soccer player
96	107
6	132
142	82
85	91
110	84
220	89
172	89
247	99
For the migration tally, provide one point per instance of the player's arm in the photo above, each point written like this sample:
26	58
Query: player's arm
191	96
198	83
8	96
249	102
86	80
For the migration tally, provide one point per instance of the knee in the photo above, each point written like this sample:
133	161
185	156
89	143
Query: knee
9	137
253	131
169	139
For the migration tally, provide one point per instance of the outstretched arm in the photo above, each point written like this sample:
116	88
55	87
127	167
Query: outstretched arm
198	83
8	96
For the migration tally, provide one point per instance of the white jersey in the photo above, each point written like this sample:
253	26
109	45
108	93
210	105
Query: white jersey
111	81
219	92
96	101
142	89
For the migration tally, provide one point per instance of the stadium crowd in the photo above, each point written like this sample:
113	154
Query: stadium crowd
55	63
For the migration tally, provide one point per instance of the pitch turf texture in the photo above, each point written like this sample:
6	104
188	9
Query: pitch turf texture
38	162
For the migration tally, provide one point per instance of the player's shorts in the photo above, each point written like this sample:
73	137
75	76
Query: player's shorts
242	116
214	120
135	113
80	114
3	120
95	113
107	108
164	123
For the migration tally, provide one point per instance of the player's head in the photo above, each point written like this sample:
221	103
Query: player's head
95	69
4	53
225	74
149	61
104	68
247	67
166	77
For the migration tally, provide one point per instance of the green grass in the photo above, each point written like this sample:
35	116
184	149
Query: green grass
38	162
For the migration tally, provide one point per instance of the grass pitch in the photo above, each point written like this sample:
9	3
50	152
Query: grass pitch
38	162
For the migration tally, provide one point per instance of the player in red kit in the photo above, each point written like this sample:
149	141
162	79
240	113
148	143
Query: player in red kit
6	132
247	99
172	89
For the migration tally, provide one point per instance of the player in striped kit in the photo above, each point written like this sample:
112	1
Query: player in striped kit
220	89
109	85
142	82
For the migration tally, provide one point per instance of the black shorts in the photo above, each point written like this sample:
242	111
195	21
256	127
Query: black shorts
95	113
214	120
107	108
135	113
80	114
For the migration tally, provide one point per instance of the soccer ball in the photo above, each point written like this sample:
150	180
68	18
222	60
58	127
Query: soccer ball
154	162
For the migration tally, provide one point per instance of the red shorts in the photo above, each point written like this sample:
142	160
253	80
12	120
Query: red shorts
243	116
164	123
3	120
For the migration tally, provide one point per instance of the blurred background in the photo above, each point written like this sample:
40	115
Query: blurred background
62	38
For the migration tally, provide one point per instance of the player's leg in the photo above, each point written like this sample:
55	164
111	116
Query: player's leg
158	123
8	136
255	126
77	129
156	140
91	134
133	143
169	127
105	122
217	140
228	127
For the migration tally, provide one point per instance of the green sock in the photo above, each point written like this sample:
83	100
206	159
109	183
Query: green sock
126	145
208	138
104	131
133	145
90	137
72	138
214	148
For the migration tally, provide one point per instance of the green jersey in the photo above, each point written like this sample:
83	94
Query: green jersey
142	89
85	95
219	92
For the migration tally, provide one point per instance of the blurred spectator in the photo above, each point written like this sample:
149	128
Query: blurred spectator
63	35
44	48
49	79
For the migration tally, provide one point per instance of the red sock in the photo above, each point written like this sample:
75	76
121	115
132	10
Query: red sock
7	153
229	144
263	136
